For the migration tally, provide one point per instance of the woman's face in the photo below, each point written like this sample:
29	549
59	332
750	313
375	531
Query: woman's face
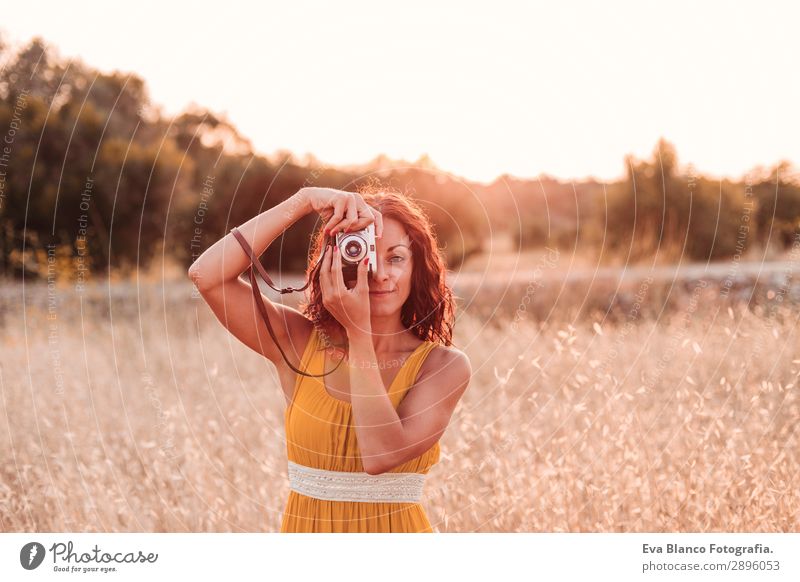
390	284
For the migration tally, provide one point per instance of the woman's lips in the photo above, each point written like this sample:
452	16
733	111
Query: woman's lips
381	293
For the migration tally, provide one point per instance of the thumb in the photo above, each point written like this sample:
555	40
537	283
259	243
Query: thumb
361	283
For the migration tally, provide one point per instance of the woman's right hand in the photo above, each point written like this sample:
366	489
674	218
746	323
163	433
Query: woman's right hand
343	211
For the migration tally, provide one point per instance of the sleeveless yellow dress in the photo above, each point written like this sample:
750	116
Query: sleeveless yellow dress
320	433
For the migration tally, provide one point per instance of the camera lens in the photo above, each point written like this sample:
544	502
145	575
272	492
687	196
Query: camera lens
353	249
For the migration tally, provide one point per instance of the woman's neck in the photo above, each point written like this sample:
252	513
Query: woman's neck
389	334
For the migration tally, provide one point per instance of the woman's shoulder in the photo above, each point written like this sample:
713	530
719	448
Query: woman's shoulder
302	332
447	360
305	330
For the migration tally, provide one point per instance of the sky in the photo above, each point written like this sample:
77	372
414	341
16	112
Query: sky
562	88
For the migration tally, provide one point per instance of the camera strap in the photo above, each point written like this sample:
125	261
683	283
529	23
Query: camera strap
259	300
257	264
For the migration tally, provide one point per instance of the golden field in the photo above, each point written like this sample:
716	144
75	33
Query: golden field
141	413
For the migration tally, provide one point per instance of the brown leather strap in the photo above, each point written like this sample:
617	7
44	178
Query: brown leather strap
257	264
259	300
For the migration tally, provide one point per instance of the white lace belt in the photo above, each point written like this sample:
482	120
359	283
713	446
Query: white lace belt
353	486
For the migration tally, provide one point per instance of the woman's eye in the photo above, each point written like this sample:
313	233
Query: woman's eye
396	257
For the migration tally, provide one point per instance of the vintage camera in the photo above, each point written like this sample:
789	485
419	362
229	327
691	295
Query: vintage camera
354	247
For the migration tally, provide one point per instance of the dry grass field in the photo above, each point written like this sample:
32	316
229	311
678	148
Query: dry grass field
141	413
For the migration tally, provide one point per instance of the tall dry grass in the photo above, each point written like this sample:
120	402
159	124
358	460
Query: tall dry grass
143	414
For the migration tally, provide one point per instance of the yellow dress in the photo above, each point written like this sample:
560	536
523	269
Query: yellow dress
320	433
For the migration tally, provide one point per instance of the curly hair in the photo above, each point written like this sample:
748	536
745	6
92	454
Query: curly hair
429	310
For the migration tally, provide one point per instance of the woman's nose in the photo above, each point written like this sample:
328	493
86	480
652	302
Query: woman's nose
381	273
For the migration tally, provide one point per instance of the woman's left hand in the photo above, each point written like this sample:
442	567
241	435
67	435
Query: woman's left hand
350	307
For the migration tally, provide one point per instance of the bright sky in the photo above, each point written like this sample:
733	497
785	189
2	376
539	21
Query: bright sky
562	87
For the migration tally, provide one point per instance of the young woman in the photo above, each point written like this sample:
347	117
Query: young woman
361	438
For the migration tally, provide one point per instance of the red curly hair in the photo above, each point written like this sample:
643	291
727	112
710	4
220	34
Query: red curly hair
429	311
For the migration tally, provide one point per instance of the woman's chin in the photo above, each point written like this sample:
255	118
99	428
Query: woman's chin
381	306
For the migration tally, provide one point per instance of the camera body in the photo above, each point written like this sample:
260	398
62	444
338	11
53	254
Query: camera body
354	247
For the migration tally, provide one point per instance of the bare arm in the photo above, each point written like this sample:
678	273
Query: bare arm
387	437
216	272
226	260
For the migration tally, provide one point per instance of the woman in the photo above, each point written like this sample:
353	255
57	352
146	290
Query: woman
357	451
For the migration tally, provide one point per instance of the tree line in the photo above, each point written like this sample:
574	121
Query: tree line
93	176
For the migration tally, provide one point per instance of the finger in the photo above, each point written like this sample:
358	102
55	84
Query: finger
378	223
365	215
338	212
339	226
362	286
351	216
352	210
